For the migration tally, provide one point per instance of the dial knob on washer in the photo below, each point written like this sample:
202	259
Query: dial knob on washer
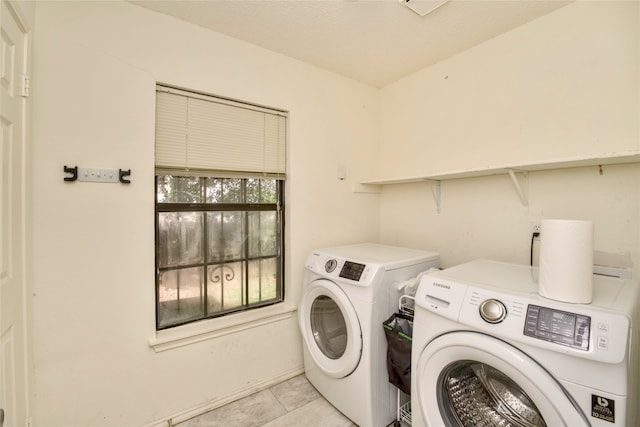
493	311
330	265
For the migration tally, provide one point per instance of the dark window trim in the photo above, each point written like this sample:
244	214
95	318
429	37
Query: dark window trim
278	207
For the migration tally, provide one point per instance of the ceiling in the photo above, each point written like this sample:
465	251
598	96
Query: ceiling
372	41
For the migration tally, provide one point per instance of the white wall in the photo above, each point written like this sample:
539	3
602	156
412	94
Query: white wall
563	86
95	65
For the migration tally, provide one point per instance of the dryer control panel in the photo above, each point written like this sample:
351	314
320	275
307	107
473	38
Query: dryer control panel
351	270
345	270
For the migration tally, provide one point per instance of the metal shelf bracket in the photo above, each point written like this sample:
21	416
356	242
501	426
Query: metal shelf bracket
517	186
436	190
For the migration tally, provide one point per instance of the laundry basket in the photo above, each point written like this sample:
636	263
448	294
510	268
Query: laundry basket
398	330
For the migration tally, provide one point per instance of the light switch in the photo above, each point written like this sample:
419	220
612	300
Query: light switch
342	172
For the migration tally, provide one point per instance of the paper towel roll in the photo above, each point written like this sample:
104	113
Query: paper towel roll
566	260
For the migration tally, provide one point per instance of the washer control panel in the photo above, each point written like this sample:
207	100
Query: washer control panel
585	331
557	326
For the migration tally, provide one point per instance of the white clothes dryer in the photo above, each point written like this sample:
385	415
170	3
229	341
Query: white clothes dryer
348	292
489	351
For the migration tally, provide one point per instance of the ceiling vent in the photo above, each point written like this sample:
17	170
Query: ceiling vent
423	7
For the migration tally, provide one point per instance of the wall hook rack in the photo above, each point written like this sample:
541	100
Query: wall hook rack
97	175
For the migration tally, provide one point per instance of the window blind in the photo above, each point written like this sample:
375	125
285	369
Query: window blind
201	134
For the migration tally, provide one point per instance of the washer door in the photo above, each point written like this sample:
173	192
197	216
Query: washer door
330	328
470	379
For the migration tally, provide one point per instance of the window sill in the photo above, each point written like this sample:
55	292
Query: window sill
188	334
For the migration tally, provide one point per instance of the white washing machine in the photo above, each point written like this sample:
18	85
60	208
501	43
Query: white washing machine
489	351
348	292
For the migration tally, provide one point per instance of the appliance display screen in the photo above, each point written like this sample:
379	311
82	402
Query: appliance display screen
558	326
351	270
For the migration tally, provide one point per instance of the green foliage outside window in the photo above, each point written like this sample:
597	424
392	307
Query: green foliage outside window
218	246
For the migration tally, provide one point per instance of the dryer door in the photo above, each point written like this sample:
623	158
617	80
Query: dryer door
470	379
330	328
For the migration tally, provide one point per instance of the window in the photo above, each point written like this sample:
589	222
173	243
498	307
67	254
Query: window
219	226
218	246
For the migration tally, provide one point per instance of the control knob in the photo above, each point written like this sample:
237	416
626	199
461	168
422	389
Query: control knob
493	311
330	265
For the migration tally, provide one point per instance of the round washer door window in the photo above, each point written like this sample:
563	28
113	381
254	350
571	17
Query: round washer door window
330	328
470	392
466	379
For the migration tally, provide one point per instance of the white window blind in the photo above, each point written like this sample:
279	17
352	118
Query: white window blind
198	133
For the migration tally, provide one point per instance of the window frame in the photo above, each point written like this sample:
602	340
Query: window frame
245	306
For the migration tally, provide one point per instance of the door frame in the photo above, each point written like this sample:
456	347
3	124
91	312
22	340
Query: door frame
14	336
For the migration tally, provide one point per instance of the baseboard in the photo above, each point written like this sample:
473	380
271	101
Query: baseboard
216	403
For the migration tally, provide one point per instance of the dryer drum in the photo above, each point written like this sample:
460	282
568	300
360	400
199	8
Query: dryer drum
474	394
328	327
398	330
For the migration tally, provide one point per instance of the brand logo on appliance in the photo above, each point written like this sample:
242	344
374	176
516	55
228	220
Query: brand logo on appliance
441	285
603	408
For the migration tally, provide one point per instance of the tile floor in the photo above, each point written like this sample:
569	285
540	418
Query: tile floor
292	403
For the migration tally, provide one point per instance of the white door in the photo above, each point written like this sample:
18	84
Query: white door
469	379
330	328
13	345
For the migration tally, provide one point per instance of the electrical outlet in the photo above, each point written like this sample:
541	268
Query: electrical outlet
534	226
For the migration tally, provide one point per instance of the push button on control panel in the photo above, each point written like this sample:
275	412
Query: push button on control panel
603	343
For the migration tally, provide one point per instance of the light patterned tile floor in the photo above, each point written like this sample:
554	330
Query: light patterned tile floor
292	403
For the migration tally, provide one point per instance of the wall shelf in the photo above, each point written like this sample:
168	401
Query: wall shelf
608	159
511	170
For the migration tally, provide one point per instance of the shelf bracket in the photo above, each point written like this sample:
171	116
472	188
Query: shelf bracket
437	193
517	186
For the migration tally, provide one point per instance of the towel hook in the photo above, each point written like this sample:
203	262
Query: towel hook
123	174
73	171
